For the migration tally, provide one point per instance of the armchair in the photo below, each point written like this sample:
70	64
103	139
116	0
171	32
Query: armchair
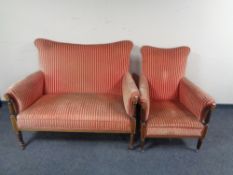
79	88
171	105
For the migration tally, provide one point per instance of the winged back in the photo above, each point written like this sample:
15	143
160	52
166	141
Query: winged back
75	68
164	68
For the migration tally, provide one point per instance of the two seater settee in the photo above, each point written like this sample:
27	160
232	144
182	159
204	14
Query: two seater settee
79	88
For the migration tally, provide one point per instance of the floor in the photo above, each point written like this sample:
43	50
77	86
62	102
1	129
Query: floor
75	153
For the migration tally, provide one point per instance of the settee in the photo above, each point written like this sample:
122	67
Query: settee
79	88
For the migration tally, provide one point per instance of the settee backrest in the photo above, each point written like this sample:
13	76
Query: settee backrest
164	68
78	68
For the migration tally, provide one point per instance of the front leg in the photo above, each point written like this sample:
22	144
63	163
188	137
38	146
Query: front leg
207	115
20	139
131	142
13	113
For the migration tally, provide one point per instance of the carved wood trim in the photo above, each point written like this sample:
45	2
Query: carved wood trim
12	111
207	114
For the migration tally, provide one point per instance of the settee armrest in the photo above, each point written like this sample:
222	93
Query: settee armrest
26	91
130	94
194	99
144	97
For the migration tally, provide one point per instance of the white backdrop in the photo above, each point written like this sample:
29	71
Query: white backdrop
204	25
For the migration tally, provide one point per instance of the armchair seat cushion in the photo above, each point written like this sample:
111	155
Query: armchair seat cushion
171	118
82	112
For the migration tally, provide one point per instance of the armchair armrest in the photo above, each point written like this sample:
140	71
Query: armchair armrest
130	94
144	97
26	91
194	99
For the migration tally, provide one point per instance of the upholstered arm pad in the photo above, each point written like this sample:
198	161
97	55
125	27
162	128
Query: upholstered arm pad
194	99
27	91
144	96
130	93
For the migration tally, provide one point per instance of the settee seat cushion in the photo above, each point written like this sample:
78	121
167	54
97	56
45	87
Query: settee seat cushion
171	118
71	112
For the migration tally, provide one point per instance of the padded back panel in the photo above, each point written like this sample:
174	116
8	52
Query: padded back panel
164	69
76	68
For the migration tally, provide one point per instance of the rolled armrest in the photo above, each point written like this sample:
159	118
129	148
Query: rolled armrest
194	99
144	97
130	94
27	91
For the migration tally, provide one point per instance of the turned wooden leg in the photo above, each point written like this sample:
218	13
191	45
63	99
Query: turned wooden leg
142	144
20	139
131	141
143	131
199	143
12	114
200	140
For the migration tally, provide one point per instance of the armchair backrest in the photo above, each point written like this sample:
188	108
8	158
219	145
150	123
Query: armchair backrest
164	68
77	68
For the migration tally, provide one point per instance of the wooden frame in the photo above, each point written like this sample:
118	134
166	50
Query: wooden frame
206	114
13	112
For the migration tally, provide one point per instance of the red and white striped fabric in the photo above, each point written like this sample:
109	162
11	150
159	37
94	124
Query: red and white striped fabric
194	99
172	118
130	93
176	104
28	90
84	112
80	68
164	68
79	87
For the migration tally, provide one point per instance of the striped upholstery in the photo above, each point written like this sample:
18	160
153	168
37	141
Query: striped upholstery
79	68
130	93
164	68
166	116
194	98
28	90
80	87
174	132
176	104
84	112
